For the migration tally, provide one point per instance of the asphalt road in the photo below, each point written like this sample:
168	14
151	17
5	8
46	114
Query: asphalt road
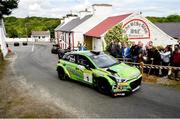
38	67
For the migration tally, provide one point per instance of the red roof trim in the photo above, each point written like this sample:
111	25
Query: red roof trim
108	23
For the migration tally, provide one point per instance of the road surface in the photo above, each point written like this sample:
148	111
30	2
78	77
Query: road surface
37	66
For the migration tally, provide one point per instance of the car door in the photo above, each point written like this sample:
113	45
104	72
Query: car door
71	65
84	69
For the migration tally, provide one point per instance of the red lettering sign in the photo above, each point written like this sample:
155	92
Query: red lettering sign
136	29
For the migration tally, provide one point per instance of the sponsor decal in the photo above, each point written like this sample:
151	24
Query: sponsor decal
136	29
74	72
88	77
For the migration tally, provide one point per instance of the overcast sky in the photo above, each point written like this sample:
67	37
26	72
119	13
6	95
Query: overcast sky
58	8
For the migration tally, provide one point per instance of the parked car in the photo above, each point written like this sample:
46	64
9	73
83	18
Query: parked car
101	71
61	52
16	43
55	49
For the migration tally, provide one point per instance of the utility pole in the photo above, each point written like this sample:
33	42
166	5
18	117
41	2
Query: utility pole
26	32
26	27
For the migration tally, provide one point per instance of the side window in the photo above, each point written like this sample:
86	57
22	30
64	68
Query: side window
70	58
82	60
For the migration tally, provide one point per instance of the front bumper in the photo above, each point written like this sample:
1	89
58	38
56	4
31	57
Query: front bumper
123	89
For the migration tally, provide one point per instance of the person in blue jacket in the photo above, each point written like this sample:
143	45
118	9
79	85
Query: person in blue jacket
126	51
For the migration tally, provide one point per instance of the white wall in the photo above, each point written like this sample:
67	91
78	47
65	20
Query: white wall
3	38
9	40
43	38
78	37
2	42
156	35
100	10
97	44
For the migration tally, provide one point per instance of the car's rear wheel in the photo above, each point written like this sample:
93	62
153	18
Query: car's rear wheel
61	74
103	86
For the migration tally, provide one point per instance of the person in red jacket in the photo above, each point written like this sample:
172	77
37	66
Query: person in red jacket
176	61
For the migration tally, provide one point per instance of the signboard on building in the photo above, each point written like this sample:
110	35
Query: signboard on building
136	29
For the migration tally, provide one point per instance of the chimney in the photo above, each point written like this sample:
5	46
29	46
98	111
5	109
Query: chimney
69	17
102	9
83	13
62	20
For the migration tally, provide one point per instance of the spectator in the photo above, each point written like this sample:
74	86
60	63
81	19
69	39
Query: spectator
134	52
112	48
140	52
126	52
156	60
176	47
118	49
165	56
149	50
176	61
79	45
84	47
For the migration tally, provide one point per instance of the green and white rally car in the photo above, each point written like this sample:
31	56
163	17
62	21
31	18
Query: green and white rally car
100	70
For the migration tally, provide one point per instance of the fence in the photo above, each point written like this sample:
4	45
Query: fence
143	66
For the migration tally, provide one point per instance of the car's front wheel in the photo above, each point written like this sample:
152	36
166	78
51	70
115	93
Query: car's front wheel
103	86
61	74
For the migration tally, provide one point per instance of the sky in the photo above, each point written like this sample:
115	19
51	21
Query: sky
59	8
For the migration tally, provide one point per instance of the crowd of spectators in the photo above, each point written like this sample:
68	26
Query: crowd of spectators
165	56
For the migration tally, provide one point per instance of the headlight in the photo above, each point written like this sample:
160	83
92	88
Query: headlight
117	79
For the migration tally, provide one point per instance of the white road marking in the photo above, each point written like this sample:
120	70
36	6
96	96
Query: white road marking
33	48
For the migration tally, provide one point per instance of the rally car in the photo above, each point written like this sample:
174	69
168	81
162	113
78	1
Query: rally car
101	71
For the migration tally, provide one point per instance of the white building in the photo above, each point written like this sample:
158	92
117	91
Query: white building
41	36
57	32
100	12
3	47
66	33
72	32
136	27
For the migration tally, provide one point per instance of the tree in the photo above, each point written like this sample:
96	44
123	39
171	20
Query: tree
116	34
21	25
6	6
170	18
12	32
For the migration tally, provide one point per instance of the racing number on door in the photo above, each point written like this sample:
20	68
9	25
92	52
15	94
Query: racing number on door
88	77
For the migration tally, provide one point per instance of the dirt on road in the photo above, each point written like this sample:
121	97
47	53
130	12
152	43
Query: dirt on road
165	81
17	101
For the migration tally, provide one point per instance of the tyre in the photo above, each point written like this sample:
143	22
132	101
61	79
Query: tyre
103	87
61	74
54	51
16	43
25	43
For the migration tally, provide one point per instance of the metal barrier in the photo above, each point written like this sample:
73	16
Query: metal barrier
142	65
